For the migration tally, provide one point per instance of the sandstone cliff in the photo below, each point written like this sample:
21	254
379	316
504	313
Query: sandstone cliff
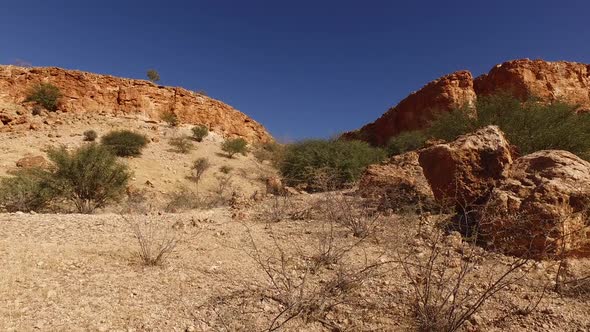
103	94
416	110
549	81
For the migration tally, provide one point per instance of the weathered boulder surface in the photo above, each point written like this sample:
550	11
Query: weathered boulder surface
32	161
463	172
524	78
416	110
396	183
109	95
542	207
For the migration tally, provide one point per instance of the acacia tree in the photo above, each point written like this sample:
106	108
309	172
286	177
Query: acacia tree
153	75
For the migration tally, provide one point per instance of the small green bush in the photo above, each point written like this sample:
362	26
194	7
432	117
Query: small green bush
271	151
153	75
46	95
234	146
406	141
342	161
170	118
181	144
225	169
89	177
27	190
90	135
449	125
124	143
200	132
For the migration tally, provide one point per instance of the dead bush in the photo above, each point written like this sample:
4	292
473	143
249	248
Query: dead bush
297	290
223	190
183	199
156	240
199	167
284	207
445	292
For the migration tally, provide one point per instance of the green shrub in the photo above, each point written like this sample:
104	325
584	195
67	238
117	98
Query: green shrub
234	145
406	141
124	143
90	135
89	177
271	151
170	118
449	125
308	163
153	75
200	132
225	169
531	126
46	95
181	144
27	190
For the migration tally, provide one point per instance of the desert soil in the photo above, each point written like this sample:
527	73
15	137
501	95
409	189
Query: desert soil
72	272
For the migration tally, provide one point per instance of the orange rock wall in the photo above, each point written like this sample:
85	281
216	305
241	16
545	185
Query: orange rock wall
549	81
103	94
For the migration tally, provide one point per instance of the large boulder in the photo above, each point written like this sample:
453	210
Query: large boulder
32	162
396	184
541	208
463	172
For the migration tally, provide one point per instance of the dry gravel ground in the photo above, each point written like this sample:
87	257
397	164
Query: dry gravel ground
82	273
71	272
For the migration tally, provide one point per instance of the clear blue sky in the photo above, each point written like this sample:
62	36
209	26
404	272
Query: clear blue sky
301	68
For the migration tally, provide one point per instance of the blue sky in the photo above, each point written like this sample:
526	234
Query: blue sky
301	68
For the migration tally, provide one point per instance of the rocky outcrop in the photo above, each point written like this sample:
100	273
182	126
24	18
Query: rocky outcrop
541	208
549	81
463	172
103	94
396	184
416	110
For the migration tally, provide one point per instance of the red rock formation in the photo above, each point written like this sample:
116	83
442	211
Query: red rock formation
463	172
103	94
416	110
549	81
541	208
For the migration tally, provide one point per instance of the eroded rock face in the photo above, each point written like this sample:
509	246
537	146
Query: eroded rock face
396	183
103	94
416	110
549	81
541	208
463	172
